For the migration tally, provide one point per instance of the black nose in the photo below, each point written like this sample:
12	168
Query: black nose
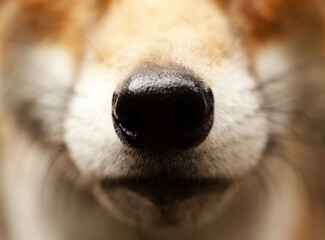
163	108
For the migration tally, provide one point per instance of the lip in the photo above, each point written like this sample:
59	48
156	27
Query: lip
163	190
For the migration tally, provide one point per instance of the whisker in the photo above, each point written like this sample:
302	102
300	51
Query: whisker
299	68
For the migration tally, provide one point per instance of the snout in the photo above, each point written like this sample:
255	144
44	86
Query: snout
159	150
161	108
160	111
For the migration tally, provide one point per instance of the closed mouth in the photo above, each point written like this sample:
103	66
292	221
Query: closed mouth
164	191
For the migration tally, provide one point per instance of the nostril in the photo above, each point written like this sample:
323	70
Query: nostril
133	121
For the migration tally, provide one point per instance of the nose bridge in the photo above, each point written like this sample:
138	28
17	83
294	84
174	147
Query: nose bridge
163	31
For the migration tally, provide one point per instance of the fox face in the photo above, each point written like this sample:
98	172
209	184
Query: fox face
156	106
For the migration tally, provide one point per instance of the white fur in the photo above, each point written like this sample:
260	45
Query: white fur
22	183
90	134
274	66
44	74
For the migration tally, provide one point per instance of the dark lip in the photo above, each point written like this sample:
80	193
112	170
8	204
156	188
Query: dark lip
165	191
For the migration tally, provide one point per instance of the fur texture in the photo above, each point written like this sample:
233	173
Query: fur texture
61	62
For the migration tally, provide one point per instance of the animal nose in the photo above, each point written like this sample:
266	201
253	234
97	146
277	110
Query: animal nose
161	109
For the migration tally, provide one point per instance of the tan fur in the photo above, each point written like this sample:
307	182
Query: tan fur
61	61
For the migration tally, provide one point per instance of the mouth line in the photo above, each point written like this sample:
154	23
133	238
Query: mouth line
165	190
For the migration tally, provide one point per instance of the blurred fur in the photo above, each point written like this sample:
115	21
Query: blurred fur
60	62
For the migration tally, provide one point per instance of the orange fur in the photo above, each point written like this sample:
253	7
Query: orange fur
269	20
65	22
184	33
